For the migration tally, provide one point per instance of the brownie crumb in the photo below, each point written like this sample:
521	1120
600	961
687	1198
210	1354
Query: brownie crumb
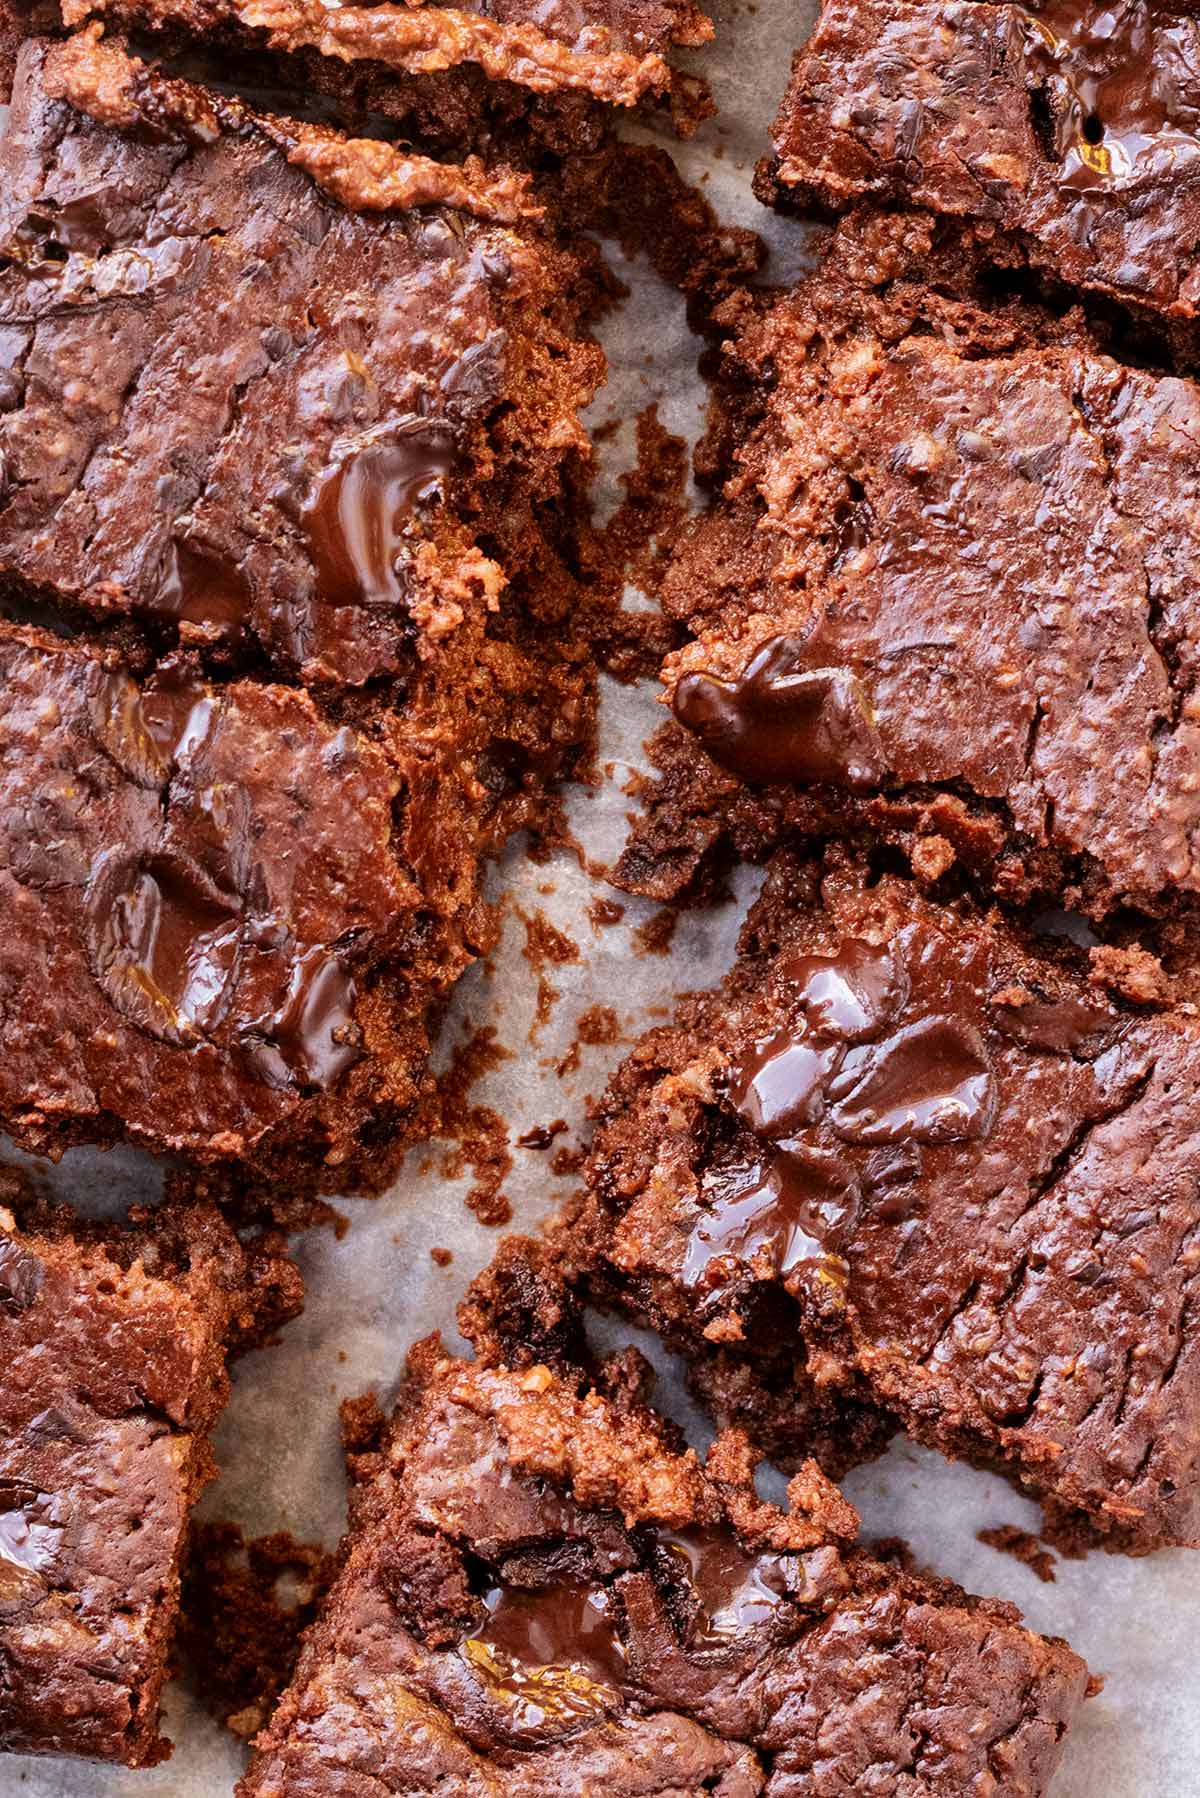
604	913
1023	1546
245	1607
478	1132
542	1135
656	935
441	1257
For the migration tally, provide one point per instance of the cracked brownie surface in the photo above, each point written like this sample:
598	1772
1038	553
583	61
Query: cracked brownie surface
541	1593
945	594
1071	127
113	1344
950	1162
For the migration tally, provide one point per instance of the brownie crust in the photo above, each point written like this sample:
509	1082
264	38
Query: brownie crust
541	1592
113	1344
948	1158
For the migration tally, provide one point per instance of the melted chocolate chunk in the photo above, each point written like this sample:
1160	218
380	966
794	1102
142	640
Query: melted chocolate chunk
356	516
795	1203
312	1038
850	994
1123	89
930	1082
202	589
21	1275
1069	1026
781	721
734	1590
548	1658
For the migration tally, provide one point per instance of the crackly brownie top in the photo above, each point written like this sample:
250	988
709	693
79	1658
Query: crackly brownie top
1074	124
111	1373
614	50
541	1595
239	404
957	551
193	875
970	1167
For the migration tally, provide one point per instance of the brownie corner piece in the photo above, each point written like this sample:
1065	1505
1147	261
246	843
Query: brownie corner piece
542	1592
911	1155
889	634
1068	135
340	379
113	1347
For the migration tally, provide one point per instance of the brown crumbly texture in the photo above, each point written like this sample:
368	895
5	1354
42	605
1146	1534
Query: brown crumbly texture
113	1344
1070	131
909	1155
945	595
540	1593
252	897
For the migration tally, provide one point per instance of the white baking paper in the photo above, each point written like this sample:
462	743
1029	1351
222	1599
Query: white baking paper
375	1292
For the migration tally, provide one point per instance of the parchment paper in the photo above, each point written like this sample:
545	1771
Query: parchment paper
372	1294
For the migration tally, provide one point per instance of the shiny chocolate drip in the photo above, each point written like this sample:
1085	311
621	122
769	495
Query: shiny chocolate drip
735	1591
930	1082
793	1204
550	1657
780	721
1124	86
356	515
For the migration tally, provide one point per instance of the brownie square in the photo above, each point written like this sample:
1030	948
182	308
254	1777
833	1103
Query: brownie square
542	1593
946	592
339	385
113	1344
228	915
914	1155
1071	129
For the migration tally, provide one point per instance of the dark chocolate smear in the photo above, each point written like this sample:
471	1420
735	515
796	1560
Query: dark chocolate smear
781	721
31	1529
929	1082
734	1590
202	588
355	517
1069	1026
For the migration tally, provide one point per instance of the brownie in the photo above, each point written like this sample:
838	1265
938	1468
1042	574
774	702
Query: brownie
451	73
915	1155
340	382
945	594
113	1346
250	433
541	1592
1072	129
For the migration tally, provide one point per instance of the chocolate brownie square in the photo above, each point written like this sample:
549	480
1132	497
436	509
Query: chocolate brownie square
946	592
113	1346
266	388
914	1155
542	1593
1071	128
227	914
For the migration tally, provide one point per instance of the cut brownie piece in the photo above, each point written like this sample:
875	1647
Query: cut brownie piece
947	592
386	55
942	1155
227	914
542	1594
338	394
1072	127
113	1343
